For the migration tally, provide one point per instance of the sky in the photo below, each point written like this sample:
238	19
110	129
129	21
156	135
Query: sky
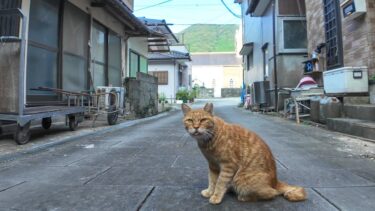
183	13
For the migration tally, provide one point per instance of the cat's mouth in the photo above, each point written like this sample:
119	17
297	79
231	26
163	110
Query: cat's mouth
196	133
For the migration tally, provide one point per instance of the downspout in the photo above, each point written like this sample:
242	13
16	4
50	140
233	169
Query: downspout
274	54
174	80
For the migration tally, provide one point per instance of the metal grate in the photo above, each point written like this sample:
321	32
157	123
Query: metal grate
9	24
333	33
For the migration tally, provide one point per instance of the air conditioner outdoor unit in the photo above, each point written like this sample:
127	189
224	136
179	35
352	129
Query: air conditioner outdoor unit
111	95
346	81
260	95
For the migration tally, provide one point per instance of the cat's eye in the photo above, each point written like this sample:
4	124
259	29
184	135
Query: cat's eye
188	120
204	120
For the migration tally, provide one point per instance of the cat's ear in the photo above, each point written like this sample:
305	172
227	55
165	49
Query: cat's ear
209	107
185	108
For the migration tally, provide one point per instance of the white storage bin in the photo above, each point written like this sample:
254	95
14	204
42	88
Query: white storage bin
346	80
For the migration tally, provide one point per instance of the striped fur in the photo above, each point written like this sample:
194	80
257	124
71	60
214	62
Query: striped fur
237	158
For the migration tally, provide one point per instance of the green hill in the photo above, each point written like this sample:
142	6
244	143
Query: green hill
209	37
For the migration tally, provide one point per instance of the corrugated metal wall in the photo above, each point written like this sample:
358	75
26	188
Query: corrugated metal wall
9	25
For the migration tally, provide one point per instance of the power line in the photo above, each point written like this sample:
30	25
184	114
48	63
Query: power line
154	5
226	6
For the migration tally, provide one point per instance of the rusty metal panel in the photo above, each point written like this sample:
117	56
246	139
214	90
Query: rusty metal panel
9	77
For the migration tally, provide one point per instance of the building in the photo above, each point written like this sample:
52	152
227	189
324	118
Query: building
274	42
218	71
76	46
349	36
169	60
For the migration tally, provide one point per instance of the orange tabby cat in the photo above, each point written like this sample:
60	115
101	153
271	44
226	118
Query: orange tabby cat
237	158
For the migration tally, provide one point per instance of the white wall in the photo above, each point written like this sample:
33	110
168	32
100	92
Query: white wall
172	87
253	32
204	75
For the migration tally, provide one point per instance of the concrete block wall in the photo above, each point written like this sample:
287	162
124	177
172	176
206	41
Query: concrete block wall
231	92
142	95
9	77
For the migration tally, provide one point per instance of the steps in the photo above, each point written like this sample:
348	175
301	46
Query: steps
364	111
358	120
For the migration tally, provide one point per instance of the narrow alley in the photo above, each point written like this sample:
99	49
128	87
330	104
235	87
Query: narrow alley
155	165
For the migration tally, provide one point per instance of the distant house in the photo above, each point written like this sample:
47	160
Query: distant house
173	70
269	25
169	61
217	71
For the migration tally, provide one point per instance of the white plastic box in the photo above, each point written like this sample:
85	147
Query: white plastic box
346	80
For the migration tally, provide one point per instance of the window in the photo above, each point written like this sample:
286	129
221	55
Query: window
143	64
114	60
99	45
231	82
333	34
9	24
162	77
138	63
42	58
106	57
294	36
265	61
76	30
249	61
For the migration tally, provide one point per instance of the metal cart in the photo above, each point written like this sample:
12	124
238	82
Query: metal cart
103	101
13	109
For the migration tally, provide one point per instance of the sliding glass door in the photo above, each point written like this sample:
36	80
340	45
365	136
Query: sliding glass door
42	59
76	31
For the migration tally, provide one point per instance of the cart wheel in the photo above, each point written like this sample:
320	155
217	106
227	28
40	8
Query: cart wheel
22	135
112	116
73	123
46	123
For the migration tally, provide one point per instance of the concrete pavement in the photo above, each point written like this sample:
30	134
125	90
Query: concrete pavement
157	166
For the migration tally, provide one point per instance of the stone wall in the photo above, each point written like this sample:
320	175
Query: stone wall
206	93
231	92
142	95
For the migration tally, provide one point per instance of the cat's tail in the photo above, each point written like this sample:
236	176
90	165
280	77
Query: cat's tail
291	193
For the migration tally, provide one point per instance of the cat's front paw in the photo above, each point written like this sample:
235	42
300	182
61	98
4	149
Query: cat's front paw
215	199
207	193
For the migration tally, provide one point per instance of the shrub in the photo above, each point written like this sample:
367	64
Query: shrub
162	97
183	95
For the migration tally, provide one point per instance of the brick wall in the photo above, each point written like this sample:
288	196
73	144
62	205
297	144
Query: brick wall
358	35
359	39
315	27
371	35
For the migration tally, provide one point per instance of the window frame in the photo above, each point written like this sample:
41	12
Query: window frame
155	74
107	33
282	48
249	61
36	97
338	31
139	56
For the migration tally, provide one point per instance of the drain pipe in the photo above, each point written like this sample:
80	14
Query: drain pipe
275	55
